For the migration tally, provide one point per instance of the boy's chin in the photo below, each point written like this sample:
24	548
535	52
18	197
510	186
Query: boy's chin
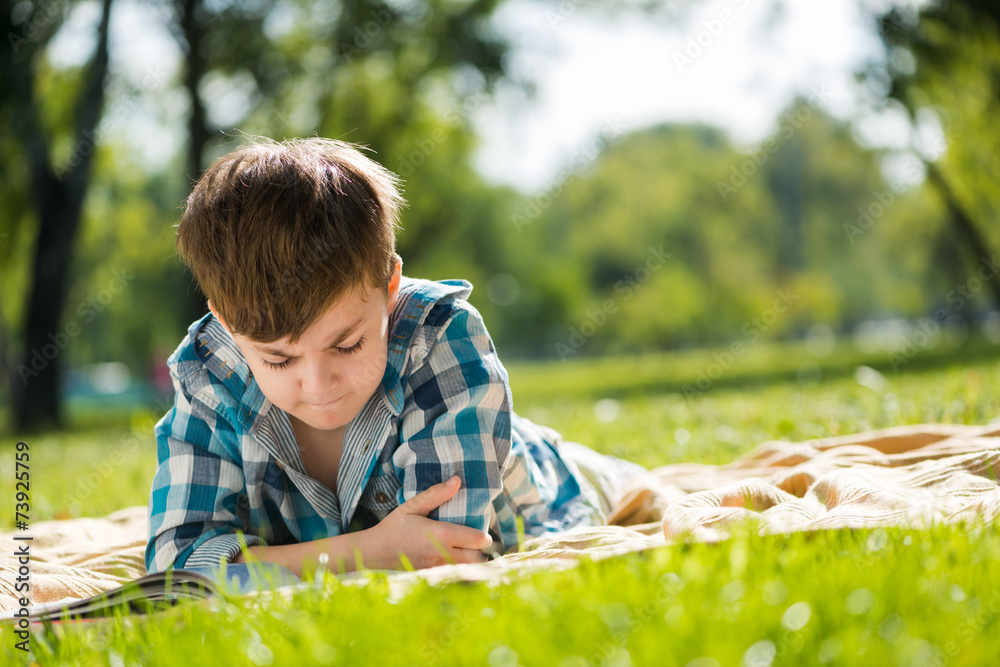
321	419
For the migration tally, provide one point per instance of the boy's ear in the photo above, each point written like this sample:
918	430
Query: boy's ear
397	273
216	314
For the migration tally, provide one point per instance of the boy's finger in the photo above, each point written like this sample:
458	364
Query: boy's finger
428	499
469	556
465	537
478	556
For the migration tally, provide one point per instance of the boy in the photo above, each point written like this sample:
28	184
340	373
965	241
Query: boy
327	407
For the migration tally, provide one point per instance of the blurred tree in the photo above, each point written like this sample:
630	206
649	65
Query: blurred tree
651	255
942	66
401	74
807	214
735	226
307	66
59	157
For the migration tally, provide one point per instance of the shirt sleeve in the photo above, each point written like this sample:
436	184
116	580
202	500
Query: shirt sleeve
458	422
193	518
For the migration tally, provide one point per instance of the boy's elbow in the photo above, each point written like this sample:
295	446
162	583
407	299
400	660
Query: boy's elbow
173	547
158	557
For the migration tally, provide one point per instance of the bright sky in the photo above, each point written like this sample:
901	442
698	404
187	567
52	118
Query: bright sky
736	64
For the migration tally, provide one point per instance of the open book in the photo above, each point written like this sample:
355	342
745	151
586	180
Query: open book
157	591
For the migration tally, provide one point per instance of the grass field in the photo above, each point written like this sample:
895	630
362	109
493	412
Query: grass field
871	597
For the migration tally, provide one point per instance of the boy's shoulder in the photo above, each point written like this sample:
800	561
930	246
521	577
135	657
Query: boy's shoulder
423	306
423	311
422	295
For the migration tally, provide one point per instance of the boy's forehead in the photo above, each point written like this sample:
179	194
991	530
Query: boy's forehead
340	318
359	300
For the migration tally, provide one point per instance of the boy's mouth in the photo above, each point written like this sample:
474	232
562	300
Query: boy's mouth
325	405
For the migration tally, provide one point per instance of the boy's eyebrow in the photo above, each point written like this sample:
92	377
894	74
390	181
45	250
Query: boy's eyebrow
337	340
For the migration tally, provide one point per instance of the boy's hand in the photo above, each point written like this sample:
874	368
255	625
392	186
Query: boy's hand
425	542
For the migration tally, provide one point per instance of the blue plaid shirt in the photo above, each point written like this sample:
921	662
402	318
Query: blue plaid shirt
230	471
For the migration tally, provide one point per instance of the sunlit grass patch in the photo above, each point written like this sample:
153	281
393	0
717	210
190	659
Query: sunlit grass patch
846	597
873	596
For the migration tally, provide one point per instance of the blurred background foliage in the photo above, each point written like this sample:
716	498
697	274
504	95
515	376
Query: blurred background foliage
666	238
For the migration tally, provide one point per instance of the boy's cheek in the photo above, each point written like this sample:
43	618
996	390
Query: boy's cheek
369	371
277	392
373	370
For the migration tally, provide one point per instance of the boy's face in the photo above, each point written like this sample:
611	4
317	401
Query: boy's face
330	373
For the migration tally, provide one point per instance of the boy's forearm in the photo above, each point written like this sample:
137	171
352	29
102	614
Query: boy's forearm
342	551
406	537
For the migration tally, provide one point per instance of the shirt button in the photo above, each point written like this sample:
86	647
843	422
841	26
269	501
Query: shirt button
368	443
279	464
381	497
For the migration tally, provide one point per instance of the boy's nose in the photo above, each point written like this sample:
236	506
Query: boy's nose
320	382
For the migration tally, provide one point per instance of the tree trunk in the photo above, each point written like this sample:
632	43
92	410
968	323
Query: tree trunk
967	229
198	134
59	199
192	33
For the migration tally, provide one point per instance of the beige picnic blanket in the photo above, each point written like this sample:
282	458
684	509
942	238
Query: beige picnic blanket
910	475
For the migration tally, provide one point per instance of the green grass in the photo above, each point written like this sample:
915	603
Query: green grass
91	471
874	597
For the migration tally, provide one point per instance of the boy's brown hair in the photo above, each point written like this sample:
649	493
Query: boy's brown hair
275	233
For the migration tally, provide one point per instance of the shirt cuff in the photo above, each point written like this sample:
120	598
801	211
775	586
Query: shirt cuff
221	547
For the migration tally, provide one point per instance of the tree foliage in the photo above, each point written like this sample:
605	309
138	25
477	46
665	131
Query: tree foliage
943	68
802	230
661	238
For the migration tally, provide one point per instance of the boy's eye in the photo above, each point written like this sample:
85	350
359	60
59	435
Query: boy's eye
354	348
343	350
